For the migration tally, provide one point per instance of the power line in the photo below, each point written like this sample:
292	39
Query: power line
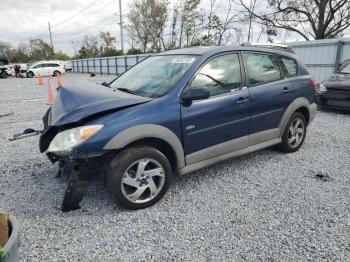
71	17
95	11
78	13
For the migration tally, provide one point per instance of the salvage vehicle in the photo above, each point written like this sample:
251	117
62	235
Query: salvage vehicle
334	92
173	113
45	68
3	62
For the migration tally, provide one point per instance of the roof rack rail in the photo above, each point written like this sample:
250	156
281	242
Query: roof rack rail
271	45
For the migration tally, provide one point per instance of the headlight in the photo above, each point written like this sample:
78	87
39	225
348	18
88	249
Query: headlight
66	140
322	88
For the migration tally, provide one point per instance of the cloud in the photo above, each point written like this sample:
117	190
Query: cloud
21	20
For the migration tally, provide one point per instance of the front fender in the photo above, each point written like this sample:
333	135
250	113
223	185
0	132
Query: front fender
138	132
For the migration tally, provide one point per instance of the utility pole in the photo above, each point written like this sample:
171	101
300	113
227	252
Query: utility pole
50	35
121	25
31	44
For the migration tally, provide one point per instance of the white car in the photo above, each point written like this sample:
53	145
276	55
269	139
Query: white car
10	70
45	68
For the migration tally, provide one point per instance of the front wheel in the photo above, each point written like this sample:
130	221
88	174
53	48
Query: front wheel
57	73
138	177
294	133
30	75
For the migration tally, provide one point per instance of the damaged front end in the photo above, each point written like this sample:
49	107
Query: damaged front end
69	123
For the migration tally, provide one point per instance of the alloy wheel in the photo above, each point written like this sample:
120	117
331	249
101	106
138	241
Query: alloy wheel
296	132
142	180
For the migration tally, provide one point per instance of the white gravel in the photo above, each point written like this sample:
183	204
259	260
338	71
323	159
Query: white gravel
263	206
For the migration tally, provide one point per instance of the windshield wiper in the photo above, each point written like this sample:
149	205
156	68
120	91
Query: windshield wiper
105	84
126	90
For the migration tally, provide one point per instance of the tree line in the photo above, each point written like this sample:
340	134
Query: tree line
156	25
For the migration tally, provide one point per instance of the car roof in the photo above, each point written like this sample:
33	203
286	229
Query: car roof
46	62
212	50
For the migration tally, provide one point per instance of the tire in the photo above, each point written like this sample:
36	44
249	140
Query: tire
138	177
56	73
294	133
30	75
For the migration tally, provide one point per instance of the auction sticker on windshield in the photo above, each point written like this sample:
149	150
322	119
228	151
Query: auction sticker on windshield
183	60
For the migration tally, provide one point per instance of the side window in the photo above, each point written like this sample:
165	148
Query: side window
38	66
262	68
221	75
290	66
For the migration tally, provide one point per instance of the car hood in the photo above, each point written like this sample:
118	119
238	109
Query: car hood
80	100
338	81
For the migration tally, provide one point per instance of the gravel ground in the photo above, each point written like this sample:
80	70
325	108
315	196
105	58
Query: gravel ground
263	206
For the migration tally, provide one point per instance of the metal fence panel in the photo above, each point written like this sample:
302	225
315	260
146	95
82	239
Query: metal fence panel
320	56
106	65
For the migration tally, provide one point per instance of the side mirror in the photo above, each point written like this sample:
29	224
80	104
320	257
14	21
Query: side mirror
196	93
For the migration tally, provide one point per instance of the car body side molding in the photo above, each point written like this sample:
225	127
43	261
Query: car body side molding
233	145
213	160
138	132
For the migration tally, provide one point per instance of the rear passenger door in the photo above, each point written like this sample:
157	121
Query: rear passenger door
269	93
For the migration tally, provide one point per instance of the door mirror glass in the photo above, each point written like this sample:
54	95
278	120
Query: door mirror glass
196	93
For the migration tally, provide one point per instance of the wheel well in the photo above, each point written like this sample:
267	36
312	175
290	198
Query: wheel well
162	146
303	110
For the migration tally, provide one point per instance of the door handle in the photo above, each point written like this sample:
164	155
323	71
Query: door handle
285	90
242	100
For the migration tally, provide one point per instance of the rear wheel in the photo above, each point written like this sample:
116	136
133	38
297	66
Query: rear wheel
294	133
138	177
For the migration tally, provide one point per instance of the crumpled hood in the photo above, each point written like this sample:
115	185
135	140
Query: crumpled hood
79	100
338	81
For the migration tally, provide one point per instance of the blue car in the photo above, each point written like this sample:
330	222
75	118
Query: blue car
173	113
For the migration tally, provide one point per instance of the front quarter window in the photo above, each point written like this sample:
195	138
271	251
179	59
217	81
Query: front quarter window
154	76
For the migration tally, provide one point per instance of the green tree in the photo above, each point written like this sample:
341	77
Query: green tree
40	50
191	22
147	20
134	51
61	56
107	47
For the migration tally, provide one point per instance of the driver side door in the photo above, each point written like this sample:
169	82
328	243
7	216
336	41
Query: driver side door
219	124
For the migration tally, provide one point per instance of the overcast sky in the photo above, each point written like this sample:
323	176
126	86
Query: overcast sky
21	20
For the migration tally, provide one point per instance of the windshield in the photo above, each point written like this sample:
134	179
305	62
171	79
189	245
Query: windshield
346	69
154	76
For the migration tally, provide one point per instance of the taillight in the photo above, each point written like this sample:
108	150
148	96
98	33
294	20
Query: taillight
313	84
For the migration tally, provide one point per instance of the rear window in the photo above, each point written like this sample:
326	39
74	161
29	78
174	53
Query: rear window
290	66
262	68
